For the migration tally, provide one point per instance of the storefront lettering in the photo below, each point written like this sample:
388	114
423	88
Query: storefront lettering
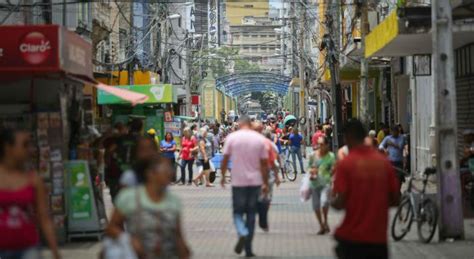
35	48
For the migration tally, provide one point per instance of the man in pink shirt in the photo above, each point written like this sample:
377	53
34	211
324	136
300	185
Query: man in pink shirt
249	154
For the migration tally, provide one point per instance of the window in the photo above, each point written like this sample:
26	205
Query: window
264	36
255	36
180	61
179	22
246	48
255	48
248	6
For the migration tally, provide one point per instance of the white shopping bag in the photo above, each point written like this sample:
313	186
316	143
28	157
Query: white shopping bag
305	188
120	248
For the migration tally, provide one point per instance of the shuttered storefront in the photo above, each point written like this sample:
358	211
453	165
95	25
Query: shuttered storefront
464	91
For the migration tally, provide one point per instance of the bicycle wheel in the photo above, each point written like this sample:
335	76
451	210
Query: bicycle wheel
290	172
401	222
428	220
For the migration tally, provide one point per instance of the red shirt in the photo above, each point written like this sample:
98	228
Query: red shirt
17	219
366	178
316	136
187	145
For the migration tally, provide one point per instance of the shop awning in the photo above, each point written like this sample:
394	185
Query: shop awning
408	32
153	94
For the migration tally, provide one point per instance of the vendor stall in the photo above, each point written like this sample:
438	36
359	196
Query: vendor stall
160	97
43	69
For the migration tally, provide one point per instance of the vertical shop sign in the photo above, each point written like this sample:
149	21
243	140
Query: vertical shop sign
213	24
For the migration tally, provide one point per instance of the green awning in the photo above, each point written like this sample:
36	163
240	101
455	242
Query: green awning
159	93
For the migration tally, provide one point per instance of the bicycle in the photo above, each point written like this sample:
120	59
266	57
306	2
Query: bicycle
287	165
425	213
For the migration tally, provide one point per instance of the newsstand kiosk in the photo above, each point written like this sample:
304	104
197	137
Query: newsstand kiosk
43	70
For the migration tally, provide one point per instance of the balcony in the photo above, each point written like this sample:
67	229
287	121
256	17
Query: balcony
407	32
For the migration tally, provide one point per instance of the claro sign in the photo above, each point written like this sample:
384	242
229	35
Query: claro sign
44	48
35	48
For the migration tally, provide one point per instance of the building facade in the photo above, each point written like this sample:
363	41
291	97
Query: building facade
258	42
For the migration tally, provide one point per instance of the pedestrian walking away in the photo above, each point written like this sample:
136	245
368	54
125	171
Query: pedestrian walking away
365	186
249	154
204	156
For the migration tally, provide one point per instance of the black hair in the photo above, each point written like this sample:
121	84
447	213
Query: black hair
355	129
169	133
7	137
142	166
136	125
118	125
193	127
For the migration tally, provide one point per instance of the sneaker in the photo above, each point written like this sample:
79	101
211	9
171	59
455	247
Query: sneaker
250	255
240	245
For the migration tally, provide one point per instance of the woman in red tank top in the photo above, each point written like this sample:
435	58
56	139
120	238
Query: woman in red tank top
22	201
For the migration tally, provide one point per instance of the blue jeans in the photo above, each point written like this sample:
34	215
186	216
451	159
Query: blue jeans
27	253
296	152
189	164
244	201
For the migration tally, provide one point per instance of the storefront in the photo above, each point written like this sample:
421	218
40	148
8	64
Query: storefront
161	97
43	70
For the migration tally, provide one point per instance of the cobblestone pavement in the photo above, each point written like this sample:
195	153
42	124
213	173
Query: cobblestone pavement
209	230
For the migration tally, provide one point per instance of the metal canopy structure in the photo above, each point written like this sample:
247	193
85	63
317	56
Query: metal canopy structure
243	83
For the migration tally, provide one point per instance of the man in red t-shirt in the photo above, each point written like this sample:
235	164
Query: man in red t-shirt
365	186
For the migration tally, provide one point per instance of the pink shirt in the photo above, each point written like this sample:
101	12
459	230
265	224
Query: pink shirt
246	149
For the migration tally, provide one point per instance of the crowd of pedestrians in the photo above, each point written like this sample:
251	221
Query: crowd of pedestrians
139	168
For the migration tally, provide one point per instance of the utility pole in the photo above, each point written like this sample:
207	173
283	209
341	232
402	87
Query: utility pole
332	58
131	49
451	224
301	68
364	65
189	65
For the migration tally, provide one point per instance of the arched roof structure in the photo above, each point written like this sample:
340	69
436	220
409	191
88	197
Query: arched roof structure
243	83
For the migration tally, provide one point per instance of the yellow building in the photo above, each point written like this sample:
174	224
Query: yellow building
236	10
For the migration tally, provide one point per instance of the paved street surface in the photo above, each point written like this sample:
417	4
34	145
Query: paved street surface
209	230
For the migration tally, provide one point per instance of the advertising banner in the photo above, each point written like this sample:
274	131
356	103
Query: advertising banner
27	47
83	218
44	48
158	93
80	200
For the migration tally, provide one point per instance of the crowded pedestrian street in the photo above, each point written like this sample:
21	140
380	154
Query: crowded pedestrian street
210	231
213	129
